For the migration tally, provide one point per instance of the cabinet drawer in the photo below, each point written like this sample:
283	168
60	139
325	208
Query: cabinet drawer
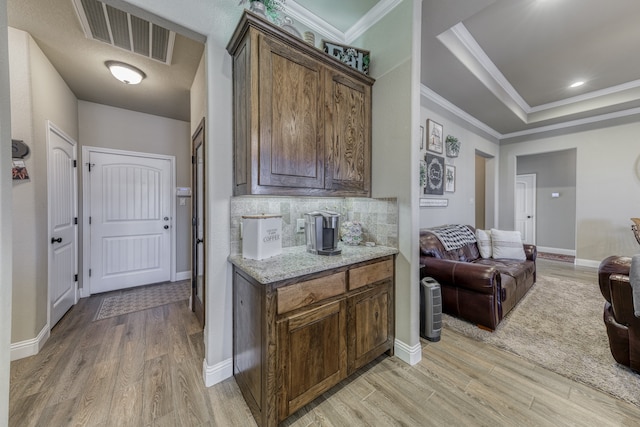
371	273
311	291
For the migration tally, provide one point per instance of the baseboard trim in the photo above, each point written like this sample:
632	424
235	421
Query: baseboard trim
559	251
587	263
31	347
408	354
183	275
218	372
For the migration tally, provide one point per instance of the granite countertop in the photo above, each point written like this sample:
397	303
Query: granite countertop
296	261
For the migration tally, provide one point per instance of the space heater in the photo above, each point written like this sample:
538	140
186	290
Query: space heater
430	309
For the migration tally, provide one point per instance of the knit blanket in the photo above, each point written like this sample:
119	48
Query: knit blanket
634	280
454	236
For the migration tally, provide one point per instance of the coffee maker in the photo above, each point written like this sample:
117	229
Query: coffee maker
322	232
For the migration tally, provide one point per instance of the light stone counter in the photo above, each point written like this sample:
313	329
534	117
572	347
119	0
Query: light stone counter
296	261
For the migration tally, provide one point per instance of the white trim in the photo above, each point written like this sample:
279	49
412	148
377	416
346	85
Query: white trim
442	102
587	263
328	31
183	275
559	251
406	353
86	208
369	19
22	349
434	97
314	23
464	47
217	373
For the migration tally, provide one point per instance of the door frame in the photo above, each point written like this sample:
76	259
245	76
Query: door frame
200	310
534	195
51	127
86	208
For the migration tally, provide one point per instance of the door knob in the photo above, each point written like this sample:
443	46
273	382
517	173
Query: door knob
198	241
166	227
56	240
166	218
529	216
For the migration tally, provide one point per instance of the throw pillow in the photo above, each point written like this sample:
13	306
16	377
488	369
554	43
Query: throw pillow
507	244
483	238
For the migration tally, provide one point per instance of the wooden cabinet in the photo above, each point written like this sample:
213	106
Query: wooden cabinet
295	339
302	119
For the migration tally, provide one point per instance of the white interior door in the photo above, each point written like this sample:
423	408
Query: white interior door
62	198
526	207
130	220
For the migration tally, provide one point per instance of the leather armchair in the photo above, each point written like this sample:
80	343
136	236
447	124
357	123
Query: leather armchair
623	327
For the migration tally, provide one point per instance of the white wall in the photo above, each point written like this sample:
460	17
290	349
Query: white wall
461	208
38	94
607	186
109	127
6	245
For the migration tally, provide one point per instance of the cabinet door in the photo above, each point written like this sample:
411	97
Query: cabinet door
312	352
370	325
291	148
348	128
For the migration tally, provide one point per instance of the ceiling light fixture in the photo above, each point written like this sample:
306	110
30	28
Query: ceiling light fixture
576	84
125	73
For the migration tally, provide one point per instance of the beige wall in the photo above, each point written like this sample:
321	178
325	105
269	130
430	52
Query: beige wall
109	127
6	245
607	186
394	128
38	94
461	208
198	96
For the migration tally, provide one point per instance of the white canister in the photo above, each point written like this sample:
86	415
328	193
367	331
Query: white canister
261	236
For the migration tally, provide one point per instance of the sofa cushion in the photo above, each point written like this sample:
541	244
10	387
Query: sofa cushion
507	244
483	238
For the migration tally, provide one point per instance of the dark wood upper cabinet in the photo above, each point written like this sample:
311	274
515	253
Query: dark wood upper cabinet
302	119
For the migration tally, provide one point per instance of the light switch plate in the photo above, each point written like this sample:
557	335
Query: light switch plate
300	225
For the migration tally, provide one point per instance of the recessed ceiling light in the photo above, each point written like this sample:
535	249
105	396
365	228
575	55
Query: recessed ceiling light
576	84
125	73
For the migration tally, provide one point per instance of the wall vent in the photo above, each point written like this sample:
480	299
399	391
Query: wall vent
121	29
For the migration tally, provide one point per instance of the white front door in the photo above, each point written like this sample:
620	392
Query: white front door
130	220
526	207
62	197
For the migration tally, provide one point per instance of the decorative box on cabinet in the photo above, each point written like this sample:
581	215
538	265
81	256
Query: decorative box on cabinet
302	119
296	338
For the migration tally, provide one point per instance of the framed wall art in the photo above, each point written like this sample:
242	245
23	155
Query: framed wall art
434	137
450	179
435	174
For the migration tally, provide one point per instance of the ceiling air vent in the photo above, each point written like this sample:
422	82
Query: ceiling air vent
121	29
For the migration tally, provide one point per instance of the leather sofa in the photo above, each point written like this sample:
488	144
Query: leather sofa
623	327
479	290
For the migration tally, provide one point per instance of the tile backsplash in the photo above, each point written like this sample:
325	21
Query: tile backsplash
379	217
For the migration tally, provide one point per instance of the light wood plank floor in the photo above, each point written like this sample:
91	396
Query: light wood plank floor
145	369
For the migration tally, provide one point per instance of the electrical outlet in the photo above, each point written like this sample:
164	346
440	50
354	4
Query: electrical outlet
300	225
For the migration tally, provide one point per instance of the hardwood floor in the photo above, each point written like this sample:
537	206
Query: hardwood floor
145	368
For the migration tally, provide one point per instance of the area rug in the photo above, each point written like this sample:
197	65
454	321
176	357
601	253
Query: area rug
143	298
558	325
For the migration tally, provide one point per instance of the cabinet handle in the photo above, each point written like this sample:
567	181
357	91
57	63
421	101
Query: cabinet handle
56	240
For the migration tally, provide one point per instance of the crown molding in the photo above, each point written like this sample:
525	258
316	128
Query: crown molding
588	96
442	102
313	22
433	96
574	123
375	14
